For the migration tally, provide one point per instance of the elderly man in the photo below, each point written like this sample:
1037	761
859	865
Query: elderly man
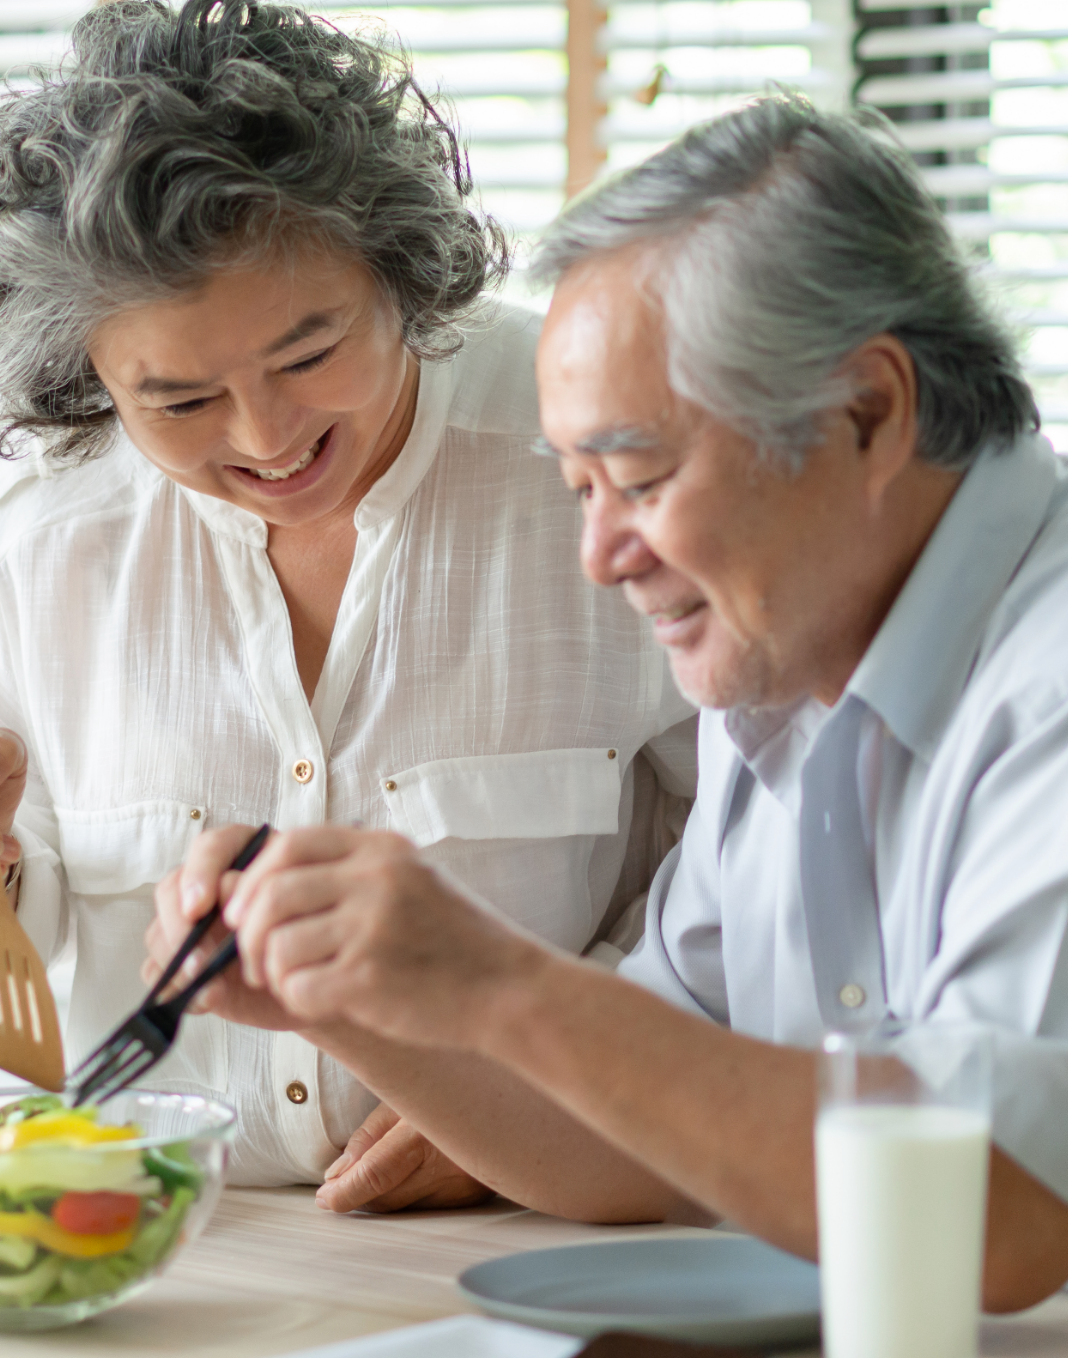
804	449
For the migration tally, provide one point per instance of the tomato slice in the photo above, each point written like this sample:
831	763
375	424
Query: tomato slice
96	1213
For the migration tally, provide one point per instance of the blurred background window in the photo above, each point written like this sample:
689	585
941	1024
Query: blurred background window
553	94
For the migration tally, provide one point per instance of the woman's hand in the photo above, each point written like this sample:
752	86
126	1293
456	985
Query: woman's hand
182	898
388	1165
13	766
343	923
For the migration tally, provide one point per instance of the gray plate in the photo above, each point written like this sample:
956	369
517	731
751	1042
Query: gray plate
727	1289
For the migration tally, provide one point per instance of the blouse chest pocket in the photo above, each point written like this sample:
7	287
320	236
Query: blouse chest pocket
542	794
117	851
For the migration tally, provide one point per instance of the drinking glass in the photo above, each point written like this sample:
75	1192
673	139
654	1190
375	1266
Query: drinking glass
902	1160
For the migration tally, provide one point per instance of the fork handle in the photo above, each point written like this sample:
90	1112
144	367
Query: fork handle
240	863
188	944
221	959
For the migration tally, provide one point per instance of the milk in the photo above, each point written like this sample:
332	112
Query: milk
902	1197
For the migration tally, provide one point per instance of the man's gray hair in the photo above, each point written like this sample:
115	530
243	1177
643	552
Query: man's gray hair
787	237
174	143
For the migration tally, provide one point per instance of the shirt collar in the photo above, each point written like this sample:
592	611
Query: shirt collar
388	494
915	669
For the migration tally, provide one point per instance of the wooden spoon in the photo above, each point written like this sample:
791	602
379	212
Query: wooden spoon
31	1045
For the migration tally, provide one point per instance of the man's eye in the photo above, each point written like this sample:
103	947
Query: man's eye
185	408
635	493
307	364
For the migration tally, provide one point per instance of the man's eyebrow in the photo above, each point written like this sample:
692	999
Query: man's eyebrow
304	329
619	439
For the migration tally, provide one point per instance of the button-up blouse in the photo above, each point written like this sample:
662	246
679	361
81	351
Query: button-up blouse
478	696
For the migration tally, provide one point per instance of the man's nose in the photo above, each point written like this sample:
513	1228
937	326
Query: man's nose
611	549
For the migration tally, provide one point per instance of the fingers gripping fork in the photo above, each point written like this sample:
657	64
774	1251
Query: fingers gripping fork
149	1033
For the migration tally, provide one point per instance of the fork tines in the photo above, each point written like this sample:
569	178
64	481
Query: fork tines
131	1050
148	1034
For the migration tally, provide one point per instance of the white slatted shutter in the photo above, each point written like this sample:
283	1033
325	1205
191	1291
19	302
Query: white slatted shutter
503	66
702	57
980	95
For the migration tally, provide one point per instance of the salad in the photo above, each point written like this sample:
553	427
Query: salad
80	1215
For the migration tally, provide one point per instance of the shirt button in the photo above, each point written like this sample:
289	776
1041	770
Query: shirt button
611	754
196	813
390	785
303	770
297	1092
852	995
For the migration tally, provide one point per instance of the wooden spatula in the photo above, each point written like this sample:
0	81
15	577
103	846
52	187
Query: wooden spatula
31	1045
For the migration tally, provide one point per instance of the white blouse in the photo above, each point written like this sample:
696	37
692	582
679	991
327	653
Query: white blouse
478	695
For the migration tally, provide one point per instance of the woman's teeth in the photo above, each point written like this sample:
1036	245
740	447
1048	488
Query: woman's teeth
283	473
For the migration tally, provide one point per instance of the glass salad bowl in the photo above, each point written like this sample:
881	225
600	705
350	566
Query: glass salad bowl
96	1202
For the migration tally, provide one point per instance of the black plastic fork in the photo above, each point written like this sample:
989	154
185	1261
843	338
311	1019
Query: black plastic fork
146	1037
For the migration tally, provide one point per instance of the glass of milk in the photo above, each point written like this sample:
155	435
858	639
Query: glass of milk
902	1158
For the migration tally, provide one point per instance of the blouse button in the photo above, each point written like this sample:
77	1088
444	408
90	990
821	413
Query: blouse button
297	1092
852	995
303	770
390	785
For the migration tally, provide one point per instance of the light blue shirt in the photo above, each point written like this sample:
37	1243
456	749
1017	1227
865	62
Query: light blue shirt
962	772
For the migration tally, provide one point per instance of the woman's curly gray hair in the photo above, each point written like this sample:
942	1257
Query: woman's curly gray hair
173	142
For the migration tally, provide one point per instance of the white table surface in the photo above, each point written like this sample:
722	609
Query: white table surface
273	1273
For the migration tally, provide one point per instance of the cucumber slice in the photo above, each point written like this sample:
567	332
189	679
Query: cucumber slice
28	1288
17	1252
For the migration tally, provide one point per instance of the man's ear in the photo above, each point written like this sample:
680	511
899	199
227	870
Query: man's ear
882	410
867	411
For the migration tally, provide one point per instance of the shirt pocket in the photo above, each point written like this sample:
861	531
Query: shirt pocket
542	794
116	851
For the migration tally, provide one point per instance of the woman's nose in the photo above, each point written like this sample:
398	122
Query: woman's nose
263	429
612	551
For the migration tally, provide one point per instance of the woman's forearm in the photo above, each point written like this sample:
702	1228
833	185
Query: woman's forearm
505	1133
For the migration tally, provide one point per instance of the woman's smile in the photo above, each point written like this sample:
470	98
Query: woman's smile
274	422
296	476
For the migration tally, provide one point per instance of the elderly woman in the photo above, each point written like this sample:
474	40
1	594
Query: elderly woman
277	549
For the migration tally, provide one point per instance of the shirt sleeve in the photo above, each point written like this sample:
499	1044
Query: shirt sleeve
1002	937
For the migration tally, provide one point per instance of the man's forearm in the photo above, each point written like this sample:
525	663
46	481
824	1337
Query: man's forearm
725	1119
728	1120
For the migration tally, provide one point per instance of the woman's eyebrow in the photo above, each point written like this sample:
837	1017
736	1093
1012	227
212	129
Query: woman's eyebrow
304	329
166	386
310	325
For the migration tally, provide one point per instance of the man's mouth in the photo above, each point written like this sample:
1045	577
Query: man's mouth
284	473
666	615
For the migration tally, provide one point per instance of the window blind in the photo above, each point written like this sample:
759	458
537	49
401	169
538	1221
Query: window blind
671	63
659	66
503	66
979	94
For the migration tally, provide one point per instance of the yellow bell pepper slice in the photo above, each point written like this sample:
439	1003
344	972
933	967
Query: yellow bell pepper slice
35	1226
71	1128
